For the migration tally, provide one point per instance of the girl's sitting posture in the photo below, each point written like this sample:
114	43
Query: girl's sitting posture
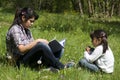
23	48
102	57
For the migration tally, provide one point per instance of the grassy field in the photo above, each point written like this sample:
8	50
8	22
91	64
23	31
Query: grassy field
77	37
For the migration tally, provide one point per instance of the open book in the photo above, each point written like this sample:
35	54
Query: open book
56	45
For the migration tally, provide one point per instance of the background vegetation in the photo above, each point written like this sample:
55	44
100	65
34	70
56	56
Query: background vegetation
61	19
76	31
92	8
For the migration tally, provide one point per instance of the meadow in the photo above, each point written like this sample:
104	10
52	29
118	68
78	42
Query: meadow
75	29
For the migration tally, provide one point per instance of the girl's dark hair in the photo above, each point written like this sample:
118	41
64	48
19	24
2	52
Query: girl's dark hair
100	34
26	12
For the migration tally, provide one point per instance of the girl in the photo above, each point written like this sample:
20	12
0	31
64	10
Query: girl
102	57
22	48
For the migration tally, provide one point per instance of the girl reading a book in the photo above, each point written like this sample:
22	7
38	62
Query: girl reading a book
101	57
21	46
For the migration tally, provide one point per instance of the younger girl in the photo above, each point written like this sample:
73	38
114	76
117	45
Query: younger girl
102	57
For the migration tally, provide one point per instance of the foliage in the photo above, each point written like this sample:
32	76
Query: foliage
57	22
92	8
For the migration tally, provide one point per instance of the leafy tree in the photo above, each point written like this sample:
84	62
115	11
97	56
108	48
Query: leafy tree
92	8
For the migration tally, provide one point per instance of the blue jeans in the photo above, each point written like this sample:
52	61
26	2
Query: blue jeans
41	50
91	66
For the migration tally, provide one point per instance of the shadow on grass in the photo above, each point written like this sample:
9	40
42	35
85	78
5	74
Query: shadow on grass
8	10
3	60
111	27
34	67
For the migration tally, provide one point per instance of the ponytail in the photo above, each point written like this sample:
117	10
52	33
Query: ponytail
17	18
105	44
100	34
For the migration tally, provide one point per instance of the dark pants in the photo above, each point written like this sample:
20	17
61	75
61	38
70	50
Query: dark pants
41	50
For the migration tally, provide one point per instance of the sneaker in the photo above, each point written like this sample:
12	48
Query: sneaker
52	69
69	64
59	65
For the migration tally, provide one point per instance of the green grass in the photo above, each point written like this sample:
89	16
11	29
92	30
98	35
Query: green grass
77	39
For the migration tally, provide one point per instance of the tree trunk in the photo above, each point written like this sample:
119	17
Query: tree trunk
80	8
99	6
112	8
119	9
106	8
90	8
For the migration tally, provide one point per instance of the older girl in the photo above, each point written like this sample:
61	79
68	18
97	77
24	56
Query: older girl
22	48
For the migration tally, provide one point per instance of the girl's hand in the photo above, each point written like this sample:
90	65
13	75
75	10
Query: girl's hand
88	49
42	40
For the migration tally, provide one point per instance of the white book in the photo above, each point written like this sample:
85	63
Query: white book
62	42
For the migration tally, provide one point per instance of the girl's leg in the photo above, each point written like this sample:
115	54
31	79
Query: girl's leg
46	54
84	63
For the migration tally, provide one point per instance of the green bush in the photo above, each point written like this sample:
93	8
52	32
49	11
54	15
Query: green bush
73	22
58	22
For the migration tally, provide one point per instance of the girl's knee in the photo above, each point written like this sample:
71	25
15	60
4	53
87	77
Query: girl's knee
96	69
83	61
40	44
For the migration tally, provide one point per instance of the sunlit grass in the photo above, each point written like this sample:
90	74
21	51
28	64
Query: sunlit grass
76	41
